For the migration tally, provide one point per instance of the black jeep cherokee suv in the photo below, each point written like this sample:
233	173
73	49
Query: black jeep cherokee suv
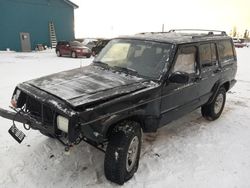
137	83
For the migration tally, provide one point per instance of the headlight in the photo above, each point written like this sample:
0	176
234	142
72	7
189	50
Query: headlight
85	50
62	124
15	98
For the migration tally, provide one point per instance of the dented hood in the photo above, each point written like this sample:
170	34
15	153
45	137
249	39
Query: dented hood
88	85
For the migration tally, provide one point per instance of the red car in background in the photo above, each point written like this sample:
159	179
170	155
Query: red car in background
239	43
74	49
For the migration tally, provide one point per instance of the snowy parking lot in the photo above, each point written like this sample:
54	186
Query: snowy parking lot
190	152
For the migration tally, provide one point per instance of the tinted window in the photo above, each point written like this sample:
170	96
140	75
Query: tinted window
213	51
225	50
185	61
207	55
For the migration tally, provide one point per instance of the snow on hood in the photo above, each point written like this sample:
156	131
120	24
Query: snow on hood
87	85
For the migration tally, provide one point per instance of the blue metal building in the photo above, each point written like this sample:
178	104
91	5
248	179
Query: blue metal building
28	21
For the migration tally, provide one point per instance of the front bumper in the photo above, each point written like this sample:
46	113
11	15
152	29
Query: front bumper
24	118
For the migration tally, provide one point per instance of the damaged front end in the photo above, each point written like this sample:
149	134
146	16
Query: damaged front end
37	110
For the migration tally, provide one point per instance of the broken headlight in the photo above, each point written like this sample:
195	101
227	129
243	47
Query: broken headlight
15	97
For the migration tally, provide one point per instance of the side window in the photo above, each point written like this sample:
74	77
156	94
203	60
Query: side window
207	55
225	51
185	61
214	55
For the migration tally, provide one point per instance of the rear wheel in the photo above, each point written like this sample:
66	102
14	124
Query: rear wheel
58	53
73	55
123	152
213	110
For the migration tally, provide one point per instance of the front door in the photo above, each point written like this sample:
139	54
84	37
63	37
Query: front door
178	99
25	42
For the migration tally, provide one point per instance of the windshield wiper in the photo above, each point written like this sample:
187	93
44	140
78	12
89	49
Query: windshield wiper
127	70
105	65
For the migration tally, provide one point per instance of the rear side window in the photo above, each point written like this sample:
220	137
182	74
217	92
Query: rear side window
225	51
208	55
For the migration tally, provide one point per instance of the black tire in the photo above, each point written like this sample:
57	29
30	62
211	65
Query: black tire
117	167
73	54
58	53
46	134
213	110
88	56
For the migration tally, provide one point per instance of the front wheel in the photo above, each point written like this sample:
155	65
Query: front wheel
123	152
213	110
73	55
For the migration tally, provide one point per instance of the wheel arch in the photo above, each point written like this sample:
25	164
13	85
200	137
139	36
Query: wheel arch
217	86
139	118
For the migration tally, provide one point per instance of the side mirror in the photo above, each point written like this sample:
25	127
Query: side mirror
179	77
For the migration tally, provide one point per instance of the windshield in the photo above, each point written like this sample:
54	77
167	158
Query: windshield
146	58
76	44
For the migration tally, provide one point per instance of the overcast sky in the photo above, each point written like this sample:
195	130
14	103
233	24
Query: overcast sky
109	18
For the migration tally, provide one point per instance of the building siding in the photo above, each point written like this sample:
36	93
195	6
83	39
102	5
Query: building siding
33	17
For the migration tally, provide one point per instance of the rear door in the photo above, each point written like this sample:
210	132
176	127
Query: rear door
210	69
227	58
65	48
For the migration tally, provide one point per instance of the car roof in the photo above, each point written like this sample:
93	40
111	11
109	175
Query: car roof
178	38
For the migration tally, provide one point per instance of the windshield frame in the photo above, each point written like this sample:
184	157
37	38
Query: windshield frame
165	69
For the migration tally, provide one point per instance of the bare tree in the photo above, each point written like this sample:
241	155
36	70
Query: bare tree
246	34
234	32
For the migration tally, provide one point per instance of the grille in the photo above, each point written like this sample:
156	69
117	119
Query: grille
40	111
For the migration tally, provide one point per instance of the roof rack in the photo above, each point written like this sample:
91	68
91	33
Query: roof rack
143	33
209	32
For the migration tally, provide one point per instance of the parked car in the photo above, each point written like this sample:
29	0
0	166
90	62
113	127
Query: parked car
239	43
91	44
74	49
99	46
136	84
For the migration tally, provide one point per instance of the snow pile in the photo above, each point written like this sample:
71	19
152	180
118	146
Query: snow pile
190	152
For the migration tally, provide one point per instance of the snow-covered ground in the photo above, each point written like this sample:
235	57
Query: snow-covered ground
190	152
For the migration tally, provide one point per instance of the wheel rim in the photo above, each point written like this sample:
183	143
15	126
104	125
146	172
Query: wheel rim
218	103
58	53
132	153
73	54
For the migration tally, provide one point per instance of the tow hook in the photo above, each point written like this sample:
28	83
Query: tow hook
67	147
